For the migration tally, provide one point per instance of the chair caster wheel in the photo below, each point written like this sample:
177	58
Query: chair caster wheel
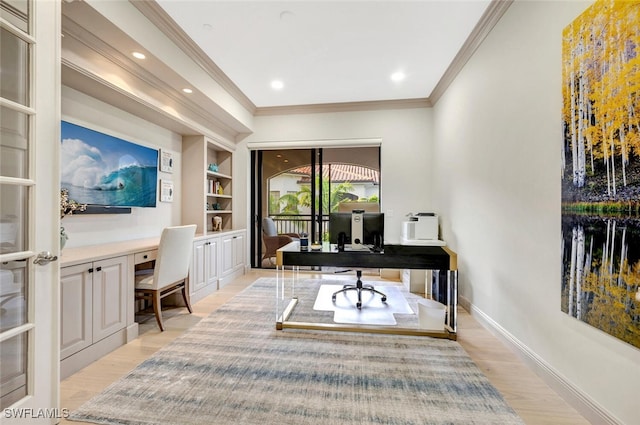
384	299
359	305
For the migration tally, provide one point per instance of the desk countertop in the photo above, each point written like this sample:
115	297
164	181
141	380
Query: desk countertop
393	256
85	254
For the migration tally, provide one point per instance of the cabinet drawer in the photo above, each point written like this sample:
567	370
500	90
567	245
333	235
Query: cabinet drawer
143	257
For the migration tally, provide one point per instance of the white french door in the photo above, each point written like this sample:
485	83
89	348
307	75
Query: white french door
29	218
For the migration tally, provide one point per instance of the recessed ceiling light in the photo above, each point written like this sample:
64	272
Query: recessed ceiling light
286	14
138	55
397	76
277	85
187	90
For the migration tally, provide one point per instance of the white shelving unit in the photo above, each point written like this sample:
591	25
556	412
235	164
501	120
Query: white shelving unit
206	194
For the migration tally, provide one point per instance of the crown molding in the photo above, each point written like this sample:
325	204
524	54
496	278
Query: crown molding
90	45
489	19
79	78
344	107
308	144
161	19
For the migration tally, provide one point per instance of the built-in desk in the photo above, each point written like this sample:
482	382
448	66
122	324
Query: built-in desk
97	306
438	258
97	283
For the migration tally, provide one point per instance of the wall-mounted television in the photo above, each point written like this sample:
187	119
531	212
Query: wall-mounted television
105	171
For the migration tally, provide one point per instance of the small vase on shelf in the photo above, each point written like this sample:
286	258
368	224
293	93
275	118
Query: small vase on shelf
63	238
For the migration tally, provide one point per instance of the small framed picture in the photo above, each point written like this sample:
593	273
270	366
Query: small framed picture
166	161
166	190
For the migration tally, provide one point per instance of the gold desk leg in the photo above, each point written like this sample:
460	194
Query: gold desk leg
285	315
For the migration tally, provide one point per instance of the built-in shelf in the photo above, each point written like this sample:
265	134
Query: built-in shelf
214	174
207	194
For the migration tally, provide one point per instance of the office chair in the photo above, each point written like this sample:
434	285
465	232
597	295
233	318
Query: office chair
359	287
171	272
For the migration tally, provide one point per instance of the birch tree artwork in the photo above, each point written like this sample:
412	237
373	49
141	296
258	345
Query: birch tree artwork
601	168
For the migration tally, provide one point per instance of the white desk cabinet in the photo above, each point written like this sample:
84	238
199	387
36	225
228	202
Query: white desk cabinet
93	303
76	309
97	290
217	259
233	256
203	275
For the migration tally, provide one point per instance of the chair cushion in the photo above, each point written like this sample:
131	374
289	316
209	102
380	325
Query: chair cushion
144	278
269	227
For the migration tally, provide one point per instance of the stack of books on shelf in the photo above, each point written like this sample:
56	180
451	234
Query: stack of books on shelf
214	187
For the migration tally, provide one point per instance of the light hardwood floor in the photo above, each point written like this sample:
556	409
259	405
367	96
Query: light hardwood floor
528	395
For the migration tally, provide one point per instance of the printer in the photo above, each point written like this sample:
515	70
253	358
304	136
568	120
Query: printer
421	229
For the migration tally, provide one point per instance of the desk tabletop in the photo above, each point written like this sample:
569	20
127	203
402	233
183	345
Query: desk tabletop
84	254
393	257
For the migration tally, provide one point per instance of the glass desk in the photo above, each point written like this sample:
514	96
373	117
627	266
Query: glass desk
291	290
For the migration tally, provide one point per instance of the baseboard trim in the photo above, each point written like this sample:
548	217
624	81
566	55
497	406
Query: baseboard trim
584	404
95	351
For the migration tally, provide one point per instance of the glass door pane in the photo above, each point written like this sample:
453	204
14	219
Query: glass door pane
16	184
286	189
14	56
14	137
13	314
16	12
351	180
301	187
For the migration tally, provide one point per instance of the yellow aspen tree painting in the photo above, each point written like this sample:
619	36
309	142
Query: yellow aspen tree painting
601	168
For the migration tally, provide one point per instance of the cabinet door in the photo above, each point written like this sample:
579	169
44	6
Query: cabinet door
227	255
211	252
109	296
238	251
197	279
75	309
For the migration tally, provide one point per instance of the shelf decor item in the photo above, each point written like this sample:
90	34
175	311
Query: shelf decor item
67	207
206	180
217	223
63	238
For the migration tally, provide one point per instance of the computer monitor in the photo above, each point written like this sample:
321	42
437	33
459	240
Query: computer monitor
372	228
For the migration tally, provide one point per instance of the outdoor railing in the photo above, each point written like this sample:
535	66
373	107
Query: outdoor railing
299	223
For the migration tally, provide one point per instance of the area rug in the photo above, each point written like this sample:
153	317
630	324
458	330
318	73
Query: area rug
373	311
233	367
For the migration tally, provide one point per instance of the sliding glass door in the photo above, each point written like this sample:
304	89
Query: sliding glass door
298	188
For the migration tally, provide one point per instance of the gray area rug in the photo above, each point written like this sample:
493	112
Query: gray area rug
233	367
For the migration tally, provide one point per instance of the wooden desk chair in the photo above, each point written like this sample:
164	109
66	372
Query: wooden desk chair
272	240
171	272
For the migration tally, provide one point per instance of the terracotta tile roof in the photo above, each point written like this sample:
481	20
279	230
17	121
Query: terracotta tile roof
340	173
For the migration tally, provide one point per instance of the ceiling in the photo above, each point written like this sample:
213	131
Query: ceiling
326	52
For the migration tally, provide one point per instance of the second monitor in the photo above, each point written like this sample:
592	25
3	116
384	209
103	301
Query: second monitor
342	233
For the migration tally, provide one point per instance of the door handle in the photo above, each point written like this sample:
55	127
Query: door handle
44	258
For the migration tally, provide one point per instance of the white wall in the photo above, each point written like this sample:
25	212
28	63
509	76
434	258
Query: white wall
497	185
83	230
405	151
